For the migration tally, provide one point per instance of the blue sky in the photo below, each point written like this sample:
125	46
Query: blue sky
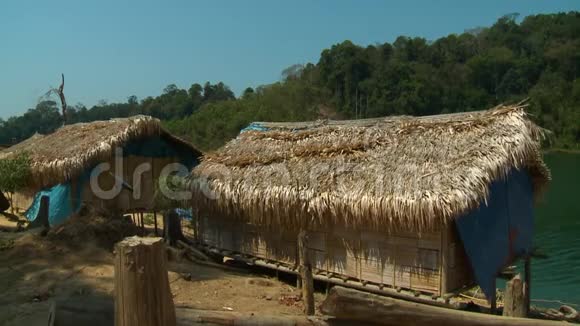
112	49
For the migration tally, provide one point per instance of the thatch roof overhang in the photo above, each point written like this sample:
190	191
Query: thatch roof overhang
392	172
72	149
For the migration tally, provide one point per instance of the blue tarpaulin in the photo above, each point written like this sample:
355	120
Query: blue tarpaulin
498	232
60	207
254	127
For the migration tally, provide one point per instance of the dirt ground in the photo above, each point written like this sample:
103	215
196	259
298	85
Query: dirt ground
71	262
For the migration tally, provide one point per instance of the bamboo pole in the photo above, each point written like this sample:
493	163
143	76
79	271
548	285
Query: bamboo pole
306	273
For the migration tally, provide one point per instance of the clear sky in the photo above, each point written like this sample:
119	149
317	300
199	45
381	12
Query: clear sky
112	49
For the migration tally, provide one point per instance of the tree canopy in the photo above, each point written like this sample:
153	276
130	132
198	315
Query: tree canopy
537	58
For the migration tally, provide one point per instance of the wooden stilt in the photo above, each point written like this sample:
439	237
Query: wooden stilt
306	273
142	223
493	308
527	284
155	219
142	293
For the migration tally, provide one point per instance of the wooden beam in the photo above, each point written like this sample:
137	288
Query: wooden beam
360	307
306	273
142	293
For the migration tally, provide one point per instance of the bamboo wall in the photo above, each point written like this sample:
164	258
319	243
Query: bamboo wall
126	201
403	259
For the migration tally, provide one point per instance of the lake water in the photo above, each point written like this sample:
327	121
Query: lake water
557	233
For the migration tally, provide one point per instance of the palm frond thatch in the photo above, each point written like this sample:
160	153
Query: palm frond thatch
70	150
411	172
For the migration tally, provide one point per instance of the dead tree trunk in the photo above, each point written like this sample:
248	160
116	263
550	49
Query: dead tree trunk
142	293
363	308
60	92
306	273
514	300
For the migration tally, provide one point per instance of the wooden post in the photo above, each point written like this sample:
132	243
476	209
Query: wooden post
41	219
142	293
306	273
527	283
514	302
493	306
155	219
142	222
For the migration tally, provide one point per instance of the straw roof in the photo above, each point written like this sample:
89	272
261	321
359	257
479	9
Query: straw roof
393	172
70	150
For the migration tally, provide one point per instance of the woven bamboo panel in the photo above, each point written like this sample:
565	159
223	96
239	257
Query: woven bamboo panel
403	276
425	280
430	241
371	270
318	259
428	258
406	256
344	265
286	252
317	240
389	274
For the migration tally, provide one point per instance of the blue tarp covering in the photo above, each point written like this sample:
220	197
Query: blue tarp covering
60	207
254	127
184	213
495	234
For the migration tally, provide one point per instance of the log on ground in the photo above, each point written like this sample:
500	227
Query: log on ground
362	307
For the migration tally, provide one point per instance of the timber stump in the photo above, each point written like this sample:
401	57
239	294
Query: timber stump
142	293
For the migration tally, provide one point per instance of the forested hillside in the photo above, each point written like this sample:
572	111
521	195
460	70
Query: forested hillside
537	58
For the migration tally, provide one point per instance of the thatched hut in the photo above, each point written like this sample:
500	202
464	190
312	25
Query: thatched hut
109	166
429	204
